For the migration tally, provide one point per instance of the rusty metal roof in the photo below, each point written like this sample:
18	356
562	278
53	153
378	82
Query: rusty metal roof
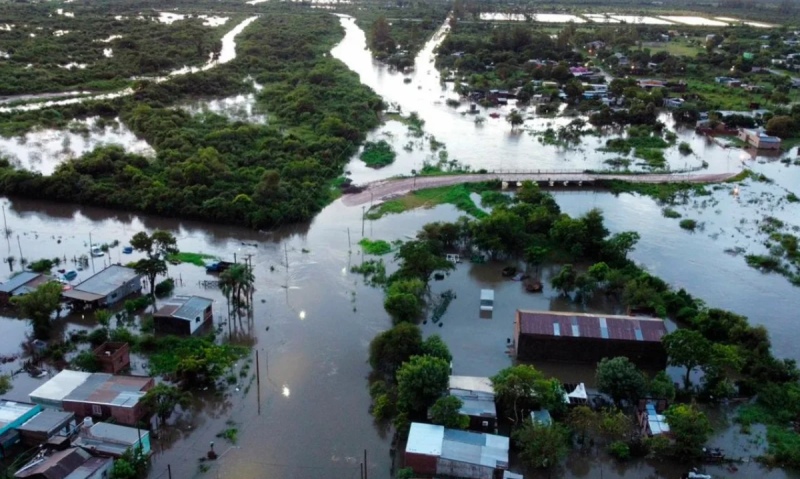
569	324
102	388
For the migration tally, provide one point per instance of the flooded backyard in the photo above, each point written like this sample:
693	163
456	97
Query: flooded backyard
313	319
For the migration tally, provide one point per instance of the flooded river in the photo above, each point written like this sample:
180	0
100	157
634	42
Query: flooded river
313	319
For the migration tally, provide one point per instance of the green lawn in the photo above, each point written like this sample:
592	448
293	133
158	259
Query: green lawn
198	259
675	48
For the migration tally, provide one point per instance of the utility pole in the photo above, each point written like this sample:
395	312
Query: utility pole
365	464
90	250
20	250
349	244
258	382
286	255
363	216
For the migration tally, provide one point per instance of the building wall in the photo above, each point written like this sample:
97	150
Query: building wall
127	416
125	290
453	468
421	463
645	354
116	362
170	325
476	423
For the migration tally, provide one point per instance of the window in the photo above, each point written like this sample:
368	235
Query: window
485	423
197	319
97	410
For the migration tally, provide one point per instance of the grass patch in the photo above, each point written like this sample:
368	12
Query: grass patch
670	213
198	259
378	154
764	263
674	48
231	435
377	247
688	224
653	157
792	198
458	195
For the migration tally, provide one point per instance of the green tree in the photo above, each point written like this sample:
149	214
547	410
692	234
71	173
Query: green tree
236	284
381	36
620	379
39	306
122	469
157	247
541	446
515	118
420	382
162	399
404	299
446	412
782	126
393	347
436	347
86	361
690	428
524	387
5	384
687	348
420	259
582	420
662	387
565	280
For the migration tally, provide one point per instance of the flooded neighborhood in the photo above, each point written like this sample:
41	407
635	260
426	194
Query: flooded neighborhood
295	393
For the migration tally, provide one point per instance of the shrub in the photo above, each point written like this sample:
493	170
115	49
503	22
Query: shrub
688	224
377	154
41	266
685	148
619	450
670	213
165	287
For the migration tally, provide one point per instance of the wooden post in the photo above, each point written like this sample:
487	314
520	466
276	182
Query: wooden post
365	464
169	471
258	382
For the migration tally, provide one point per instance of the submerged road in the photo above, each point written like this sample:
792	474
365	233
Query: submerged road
382	190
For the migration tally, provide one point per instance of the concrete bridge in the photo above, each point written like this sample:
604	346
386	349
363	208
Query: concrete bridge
382	190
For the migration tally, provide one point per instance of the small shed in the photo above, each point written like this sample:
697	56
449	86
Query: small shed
105	288
21	283
110	440
184	316
542	416
12	415
48	426
477	398
487	300
434	450
113	357
72	463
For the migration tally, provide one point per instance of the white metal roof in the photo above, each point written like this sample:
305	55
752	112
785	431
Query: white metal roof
487	294
425	439
10	411
472	383
579	392
60	386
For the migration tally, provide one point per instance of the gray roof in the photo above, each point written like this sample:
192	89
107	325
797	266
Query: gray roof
11	411
89	468
108	389
108	280
110	438
59	465
47	421
17	281
185	307
486	450
477	406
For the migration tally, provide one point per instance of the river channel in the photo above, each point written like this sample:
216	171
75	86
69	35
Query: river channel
313	319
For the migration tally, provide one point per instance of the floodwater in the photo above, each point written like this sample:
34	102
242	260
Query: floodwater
227	53
313	319
43	149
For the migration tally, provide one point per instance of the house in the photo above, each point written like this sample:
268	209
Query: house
110	440
12	415
580	71
105	288
113	357
20	284
649	84
72	463
595	45
51	427
434	450
588	338
184	316
477	398
622	60
759	139
97	395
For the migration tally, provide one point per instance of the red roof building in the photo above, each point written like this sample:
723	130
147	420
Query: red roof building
588	338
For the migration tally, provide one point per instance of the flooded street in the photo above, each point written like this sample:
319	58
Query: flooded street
313	319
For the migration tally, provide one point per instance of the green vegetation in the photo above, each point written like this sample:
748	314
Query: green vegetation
375	247
5	383
377	154
230	434
211	168
39	306
670	213
194	360
197	259
458	195
688	224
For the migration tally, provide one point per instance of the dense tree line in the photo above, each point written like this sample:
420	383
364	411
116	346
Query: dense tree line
208	167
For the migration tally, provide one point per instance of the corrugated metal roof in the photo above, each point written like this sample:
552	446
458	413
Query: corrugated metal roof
109	389
476	406
11	411
624	328
114	432
59	386
108	280
58	465
472	383
188	308
425	439
81	295
89	468
46	421
17	281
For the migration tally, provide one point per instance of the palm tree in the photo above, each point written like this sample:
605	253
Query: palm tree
237	281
